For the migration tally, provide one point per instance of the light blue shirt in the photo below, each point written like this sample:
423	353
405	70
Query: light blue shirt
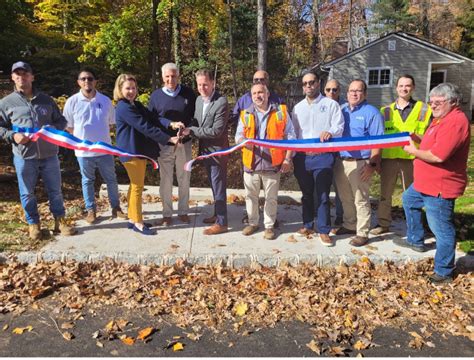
362	120
172	93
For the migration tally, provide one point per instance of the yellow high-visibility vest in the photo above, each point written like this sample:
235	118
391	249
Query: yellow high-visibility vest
417	122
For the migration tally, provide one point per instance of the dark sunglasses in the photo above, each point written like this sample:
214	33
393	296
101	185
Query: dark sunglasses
258	80
309	83
88	78
333	90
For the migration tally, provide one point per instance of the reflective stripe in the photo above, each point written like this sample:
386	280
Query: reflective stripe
424	110
279	113
386	113
247	119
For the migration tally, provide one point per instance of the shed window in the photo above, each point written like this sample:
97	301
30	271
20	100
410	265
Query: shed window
379	77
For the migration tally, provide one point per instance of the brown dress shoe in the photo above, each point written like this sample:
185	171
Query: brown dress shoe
61	226
269	234
326	240
379	230
304	232
215	229
91	216
343	231
184	218
210	220
34	231
359	241
249	230
166	221
118	213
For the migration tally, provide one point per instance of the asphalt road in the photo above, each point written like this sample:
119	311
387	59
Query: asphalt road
286	339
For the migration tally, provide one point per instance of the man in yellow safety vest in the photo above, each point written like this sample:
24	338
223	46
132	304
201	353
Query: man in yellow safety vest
403	115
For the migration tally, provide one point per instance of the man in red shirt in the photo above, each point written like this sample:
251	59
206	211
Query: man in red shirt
439	178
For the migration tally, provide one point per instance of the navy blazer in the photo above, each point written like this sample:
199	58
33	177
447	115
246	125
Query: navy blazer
138	130
211	130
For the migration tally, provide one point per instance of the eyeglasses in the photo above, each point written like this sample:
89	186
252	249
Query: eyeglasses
259	80
86	78
436	103
356	91
333	90
308	83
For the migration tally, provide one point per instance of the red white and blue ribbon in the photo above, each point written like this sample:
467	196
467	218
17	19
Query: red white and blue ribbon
315	145
65	139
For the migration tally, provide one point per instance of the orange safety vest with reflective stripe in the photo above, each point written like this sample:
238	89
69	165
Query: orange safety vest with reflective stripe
417	122
276	124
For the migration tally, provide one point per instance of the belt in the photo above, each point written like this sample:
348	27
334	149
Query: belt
348	158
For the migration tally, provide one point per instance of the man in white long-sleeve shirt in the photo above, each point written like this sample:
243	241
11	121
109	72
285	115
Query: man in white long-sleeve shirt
316	116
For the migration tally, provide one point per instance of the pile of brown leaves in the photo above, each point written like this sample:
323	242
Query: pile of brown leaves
343	304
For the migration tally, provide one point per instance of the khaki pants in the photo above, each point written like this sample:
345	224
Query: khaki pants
167	160
136	173
354	194
271	185
390	169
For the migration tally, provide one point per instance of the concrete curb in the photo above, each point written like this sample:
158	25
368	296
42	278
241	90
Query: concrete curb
231	260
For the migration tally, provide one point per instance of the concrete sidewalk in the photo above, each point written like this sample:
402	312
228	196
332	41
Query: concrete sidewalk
111	238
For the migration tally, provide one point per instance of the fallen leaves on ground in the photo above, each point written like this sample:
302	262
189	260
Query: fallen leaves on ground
343	304
20	331
178	346
144	333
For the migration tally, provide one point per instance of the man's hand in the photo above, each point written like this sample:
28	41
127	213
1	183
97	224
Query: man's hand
411	148
286	166
20	138
175	125
366	172
247	146
174	140
416	138
325	136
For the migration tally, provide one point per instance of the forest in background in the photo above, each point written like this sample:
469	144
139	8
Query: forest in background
229	36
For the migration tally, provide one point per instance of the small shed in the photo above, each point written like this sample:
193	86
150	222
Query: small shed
382	61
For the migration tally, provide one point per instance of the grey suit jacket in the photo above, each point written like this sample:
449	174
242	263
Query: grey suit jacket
211	130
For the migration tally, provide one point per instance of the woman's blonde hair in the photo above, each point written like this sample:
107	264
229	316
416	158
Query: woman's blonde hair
119	83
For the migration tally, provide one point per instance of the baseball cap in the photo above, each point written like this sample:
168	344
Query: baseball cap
20	65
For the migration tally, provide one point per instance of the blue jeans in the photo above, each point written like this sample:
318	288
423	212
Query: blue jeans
314	175
27	172
106	167
440	216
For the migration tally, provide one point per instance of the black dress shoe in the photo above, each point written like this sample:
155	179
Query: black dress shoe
210	220
438	279
403	243
343	231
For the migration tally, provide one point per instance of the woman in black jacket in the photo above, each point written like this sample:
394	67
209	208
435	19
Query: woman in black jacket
138	132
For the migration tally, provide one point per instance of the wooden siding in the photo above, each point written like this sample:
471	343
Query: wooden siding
408	58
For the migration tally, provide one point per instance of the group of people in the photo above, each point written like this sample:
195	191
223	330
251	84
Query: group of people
432	167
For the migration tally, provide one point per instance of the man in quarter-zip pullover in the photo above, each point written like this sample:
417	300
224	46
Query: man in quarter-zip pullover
28	108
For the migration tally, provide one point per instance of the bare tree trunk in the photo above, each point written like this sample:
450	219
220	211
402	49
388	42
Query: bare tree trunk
351	41
262	34
177	36
154	45
425	22
169	48
317	48
231	48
